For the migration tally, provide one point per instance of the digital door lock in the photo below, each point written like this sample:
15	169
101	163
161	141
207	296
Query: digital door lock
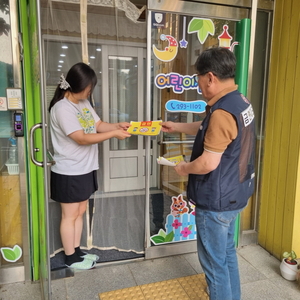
18	124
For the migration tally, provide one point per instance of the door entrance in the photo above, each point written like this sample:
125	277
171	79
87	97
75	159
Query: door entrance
123	99
136	79
178	36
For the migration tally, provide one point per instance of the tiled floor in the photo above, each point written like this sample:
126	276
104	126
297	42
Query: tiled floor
260	278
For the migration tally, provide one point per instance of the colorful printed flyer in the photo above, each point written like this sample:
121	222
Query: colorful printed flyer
170	161
145	128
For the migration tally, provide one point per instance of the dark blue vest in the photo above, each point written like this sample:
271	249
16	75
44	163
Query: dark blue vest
231	184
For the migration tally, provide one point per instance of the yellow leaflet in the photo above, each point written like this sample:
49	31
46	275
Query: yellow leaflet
145	128
170	161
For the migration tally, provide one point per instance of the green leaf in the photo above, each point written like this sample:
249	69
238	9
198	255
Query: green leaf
291	254
18	251
203	27
162	233
156	239
209	26
11	254
169	237
190	227
8	254
195	25
286	254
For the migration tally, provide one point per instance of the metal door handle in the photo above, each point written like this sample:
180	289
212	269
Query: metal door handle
33	149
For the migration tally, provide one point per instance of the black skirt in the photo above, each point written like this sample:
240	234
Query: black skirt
72	188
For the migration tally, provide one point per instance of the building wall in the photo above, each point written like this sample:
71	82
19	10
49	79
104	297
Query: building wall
279	226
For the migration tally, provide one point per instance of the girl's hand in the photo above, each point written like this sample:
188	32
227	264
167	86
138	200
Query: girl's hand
121	134
123	125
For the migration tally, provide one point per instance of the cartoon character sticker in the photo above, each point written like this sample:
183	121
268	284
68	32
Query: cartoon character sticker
170	52
180	223
178	206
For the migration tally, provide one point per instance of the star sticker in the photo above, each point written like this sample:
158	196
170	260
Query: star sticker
183	43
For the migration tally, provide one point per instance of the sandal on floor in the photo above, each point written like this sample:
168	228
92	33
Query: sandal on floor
86	264
92	257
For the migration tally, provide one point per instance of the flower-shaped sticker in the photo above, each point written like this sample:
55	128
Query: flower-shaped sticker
186	232
176	224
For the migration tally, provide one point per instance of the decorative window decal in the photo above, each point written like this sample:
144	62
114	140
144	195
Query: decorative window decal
11	254
183	43
170	52
197	106
179	83
180	223
203	27
225	39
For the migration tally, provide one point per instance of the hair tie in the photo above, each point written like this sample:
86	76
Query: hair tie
63	83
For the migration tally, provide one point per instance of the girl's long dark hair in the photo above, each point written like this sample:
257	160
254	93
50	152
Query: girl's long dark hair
79	77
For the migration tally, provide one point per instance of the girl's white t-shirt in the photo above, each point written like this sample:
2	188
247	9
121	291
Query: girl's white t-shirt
71	158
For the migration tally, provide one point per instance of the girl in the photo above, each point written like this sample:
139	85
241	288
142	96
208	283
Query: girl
75	131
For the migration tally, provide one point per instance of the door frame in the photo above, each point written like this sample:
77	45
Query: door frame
20	272
113	158
207	10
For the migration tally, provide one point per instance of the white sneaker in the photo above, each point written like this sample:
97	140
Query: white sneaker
92	257
86	264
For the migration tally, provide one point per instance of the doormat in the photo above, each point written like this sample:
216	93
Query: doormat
58	261
184	288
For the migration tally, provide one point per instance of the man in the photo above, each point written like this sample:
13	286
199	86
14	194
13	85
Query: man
221	170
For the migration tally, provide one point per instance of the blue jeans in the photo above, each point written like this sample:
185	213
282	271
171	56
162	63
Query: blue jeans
217	253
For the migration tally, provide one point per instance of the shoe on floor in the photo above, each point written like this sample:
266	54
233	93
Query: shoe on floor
92	257
86	264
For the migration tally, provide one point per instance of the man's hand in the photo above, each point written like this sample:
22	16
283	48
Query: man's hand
168	126
180	168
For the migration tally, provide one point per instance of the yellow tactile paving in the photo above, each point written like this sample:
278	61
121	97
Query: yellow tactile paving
132	293
195	286
184	288
169	289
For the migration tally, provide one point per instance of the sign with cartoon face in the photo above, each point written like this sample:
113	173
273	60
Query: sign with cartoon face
180	223
170	52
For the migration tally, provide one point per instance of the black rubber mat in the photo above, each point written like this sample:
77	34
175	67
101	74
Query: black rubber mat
58	261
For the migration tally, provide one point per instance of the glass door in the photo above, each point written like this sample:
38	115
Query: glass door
123	82
14	262
37	156
178	36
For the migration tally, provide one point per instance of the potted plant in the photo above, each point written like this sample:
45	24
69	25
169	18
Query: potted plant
289	265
